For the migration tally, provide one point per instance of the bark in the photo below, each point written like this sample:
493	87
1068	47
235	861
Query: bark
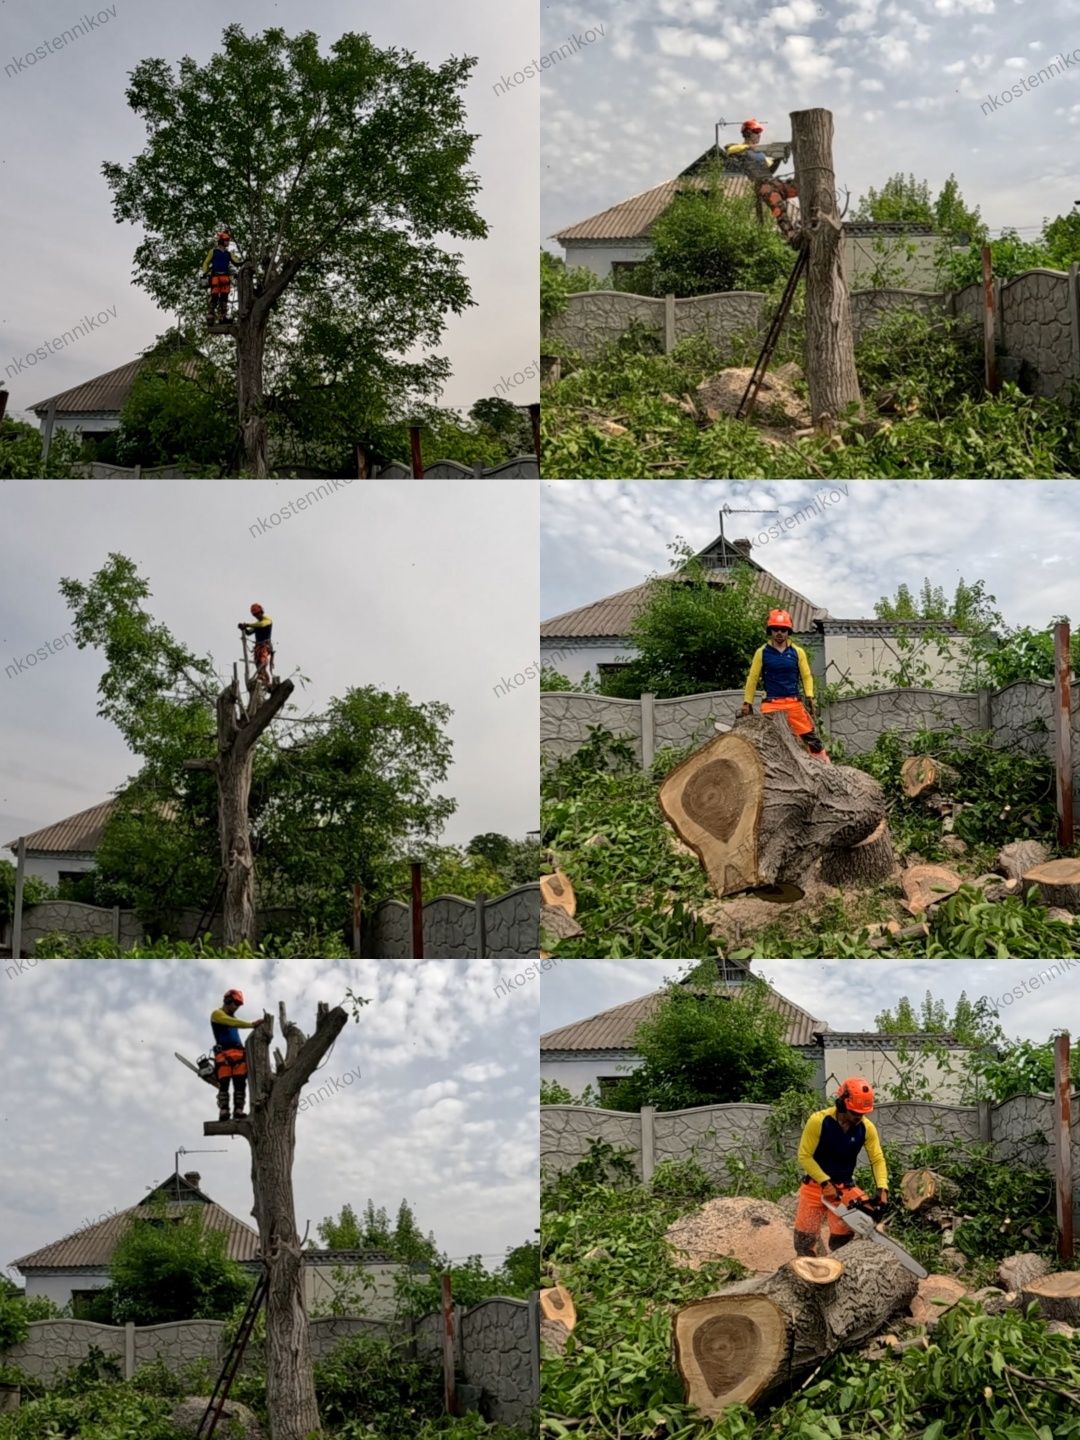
923	1189
867	863
1021	855
1058	882
758	811
1018	1270
761	1335
830	346
271	1133
250	351
1057	1296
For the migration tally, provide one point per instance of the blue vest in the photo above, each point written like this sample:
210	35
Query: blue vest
838	1150
780	673
220	262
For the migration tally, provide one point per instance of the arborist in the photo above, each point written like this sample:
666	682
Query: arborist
220	265
261	628
828	1151
759	170
230	1058
781	666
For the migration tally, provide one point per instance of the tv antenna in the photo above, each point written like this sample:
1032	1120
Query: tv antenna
730	510
182	1151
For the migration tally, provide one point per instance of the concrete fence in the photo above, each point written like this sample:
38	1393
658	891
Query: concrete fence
520	467
1037	319
725	1139
497	1348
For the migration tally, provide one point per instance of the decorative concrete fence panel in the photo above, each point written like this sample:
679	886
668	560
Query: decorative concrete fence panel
724	318
594	318
969	307
500	1352
504	928
1039	326
428	1337
509	921
520	467
179	1344
53	1347
908	1123
70	917
692	717
857	721
327	1332
725	1140
567	718
566	1132
870	307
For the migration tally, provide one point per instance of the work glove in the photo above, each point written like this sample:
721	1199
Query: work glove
831	1192
808	705
883	1198
746	710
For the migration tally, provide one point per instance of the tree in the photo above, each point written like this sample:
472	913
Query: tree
508	424
956	220
693	634
337	174
270	1131
168	1268
402	1241
178	409
558	281
702	1046
707	241
901	199
20	452
520	1271
971	1024
1061	237
35	891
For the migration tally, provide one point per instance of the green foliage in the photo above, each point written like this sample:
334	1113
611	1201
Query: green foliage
1020	1068
552	1093
104	1411
20	452
373	1230
373	1382
1056	248
907	200
173	1268
1026	654
299	946
925	365
509	425
552	679
558	281
16	1312
971	1024
706	242
34	891
181	409
702	1046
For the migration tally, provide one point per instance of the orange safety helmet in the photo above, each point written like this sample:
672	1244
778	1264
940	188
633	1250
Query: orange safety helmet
256	610
752	125
237	995
778	618
224	236
857	1095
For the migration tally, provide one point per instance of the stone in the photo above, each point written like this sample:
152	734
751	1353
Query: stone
237	1421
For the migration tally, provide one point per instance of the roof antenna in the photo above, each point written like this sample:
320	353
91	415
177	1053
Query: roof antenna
727	510
176	1163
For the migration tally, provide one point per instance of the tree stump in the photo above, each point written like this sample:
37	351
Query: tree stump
923	1189
758	811
1058	882
935	1295
1057	1296
1019	856
1018	1270
867	863
758	1336
922	775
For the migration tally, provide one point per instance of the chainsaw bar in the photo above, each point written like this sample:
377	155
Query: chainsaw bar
863	1225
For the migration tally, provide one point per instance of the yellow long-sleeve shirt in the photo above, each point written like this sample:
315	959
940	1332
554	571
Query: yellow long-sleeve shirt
757	665
827	1153
210	258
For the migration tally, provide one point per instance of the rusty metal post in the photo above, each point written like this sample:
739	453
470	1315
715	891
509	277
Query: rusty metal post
363	468
534	416
4	397
417	452
417	910
1063	1146
357	916
993	383
449	1357
1063	763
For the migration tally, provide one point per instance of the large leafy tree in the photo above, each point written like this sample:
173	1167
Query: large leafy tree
338	175
707	241
166	1268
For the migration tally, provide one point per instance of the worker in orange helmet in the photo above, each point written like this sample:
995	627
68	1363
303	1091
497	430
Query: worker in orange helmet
219	267
230	1058
759	169
828	1152
261	627
781	668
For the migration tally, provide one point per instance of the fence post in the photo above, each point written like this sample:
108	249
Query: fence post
481	927
669	324
648	730
116	925
534	416
417	906
1063	1140
648	1151
129	1350
989	325
357	916
1074	315
1063	734
17	917
4	397
986	714
534	1346
417	452
448	1348
986	1126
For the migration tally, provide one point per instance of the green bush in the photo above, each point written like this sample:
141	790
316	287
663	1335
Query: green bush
368	1381
98	947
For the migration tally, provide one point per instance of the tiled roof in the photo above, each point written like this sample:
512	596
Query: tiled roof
832	626
614	1029
614	613
633	219
104	392
886	227
77	835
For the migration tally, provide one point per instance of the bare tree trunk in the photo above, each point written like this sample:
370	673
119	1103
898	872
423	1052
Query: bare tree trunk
271	1133
830	346
250	347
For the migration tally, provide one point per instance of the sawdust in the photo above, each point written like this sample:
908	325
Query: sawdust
777	402
754	1232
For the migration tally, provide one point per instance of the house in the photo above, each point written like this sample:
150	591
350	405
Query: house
613	241
72	1269
599	1050
67	849
863	654
92	410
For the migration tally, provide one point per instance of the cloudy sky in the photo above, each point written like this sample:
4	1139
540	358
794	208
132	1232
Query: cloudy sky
444	1112
906	81
1020	537
846	994
426	586
67	114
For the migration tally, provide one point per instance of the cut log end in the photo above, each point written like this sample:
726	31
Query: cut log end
816	1271
557	891
1057	1296
1058	882
922	1189
558	1304
728	1349
922	775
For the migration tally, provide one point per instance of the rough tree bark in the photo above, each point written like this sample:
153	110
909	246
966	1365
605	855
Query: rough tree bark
867	863
830	345
760	1335
1058	882
258	293
271	1132
240	722
758	811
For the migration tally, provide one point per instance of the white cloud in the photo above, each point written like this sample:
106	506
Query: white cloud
802	55
685	43
793	15
956	68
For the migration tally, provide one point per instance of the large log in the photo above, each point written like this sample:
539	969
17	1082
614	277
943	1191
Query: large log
1016	1271
922	775
1020	855
1057	1296
758	811
935	1295
925	885
760	1335
867	863
1058	882
922	1189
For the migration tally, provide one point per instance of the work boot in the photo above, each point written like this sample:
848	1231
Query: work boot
240	1115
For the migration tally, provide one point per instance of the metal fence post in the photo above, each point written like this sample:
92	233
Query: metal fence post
648	1143
648	730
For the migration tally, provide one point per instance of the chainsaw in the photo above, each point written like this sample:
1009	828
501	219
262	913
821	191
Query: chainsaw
861	1216
203	1067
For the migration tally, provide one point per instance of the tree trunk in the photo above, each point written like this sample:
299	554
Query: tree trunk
1016	1271
757	811
830	346
867	863
760	1335
250	348
271	1133
1057	1296
923	1189
922	775
1058	882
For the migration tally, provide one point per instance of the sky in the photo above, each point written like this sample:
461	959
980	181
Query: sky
906	81
846	994
67	113
443	1114
426	586
856	541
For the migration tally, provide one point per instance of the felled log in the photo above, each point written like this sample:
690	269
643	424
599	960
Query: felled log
815	1270
1020	855
1057	1296
935	1295
557	891
558	1304
925	885
758	811
922	775
1058	882
554	921
759	1335
1019	1270
993	1300
922	1189
867	863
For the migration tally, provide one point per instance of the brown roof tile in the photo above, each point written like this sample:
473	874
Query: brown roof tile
104	392
633	219
78	834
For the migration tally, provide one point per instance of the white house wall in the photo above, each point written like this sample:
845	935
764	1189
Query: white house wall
908	261
575	1075
48	867
600	258
376	1299
883	1070
872	661
576	660
58	1288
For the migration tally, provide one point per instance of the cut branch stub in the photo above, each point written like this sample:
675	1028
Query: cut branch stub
759	812
817	1270
1058	882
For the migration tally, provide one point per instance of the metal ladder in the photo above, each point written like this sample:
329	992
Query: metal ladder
212	1413
746	404
216	895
